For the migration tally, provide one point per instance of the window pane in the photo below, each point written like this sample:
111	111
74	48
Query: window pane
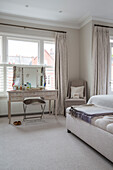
9	77
49	59
0	49
1	78
112	69
22	52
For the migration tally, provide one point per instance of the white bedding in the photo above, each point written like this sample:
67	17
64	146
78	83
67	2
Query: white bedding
102	100
92	109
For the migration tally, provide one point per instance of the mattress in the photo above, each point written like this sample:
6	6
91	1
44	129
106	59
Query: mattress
88	111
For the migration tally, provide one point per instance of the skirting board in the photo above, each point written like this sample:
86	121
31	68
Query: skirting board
22	114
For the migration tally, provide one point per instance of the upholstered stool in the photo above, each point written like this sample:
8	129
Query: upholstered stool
34	101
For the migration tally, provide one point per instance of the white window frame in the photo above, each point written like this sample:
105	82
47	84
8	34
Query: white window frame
111	82
6	37
1	47
49	85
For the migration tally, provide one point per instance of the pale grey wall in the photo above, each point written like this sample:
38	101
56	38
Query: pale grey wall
73	53
85	54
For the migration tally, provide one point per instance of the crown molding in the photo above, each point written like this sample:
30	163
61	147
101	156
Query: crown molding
75	25
106	20
84	21
87	19
38	21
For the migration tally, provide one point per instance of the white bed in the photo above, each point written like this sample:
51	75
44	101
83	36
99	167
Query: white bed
96	137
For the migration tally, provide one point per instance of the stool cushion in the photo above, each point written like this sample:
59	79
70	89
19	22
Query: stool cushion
32	100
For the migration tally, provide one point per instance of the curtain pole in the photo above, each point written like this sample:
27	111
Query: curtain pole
103	26
35	28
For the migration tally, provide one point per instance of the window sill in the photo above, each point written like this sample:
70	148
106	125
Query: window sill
3	95
23	65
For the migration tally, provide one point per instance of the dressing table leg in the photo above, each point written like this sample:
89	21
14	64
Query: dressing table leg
49	106
9	111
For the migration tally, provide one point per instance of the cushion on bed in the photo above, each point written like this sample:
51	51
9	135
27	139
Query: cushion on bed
109	128
105	123
102	123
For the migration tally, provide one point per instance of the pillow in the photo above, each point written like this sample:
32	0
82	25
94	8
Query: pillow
78	90
75	95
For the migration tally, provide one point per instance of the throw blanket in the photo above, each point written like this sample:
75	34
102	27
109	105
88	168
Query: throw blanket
88	111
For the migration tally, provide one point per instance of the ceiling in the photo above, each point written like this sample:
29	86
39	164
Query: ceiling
66	13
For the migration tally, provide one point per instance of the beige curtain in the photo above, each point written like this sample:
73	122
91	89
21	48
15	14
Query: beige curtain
101	61
61	70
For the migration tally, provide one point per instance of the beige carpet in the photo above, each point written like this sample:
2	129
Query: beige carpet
45	145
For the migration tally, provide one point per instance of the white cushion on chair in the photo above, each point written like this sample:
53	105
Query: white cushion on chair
77	90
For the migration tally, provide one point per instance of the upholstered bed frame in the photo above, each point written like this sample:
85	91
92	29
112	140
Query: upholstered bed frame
99	139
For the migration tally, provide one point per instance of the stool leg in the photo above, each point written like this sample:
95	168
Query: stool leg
43	108
24	108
